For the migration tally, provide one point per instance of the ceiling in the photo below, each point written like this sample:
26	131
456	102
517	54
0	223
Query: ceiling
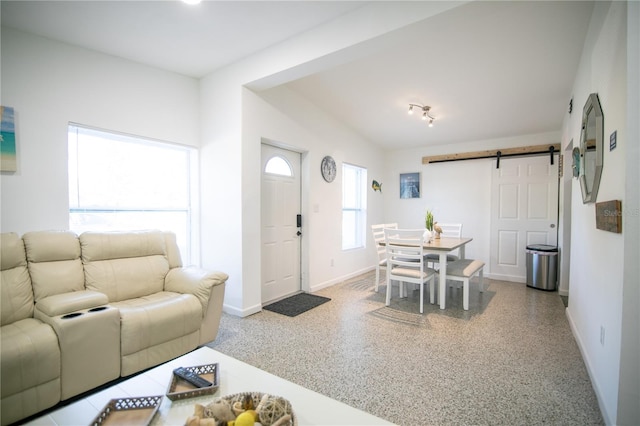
488	69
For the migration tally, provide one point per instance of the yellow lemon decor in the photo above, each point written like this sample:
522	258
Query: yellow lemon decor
244	409
245	419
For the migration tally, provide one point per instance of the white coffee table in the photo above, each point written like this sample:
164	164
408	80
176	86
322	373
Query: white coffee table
311	408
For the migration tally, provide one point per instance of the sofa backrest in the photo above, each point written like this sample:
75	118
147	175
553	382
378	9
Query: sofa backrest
124	265
16	293
53	258
173	251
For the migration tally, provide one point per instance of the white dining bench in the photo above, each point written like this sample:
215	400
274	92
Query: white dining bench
463	270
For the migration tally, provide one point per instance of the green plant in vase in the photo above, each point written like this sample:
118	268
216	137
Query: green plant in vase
428	220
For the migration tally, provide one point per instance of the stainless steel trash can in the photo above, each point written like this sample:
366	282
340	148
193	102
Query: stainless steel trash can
542	266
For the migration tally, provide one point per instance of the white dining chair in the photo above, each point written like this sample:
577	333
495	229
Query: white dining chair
406	264
381	252
463	270
453	230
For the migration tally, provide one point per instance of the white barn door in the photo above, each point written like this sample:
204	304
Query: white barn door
280	241
524	211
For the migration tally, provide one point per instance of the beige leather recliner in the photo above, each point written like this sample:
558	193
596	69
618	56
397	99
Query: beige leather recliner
160	313
88	331
30	359
78	312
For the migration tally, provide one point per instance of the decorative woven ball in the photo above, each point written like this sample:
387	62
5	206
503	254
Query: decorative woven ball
274	408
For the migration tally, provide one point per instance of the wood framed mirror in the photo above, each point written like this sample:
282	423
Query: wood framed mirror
591	148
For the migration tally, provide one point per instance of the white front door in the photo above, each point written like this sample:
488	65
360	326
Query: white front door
280	269
524	211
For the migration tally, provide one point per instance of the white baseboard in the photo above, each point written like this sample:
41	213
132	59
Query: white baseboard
338	280
511	278
232	310
588	364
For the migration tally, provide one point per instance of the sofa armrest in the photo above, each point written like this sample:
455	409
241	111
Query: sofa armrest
65	303
194	280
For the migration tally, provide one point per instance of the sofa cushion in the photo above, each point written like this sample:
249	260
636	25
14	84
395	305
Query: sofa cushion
16	293
122	279
30	356
117	245
12	250
54	262
151	320
173	252
124	265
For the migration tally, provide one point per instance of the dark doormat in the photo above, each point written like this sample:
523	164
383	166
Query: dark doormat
296	304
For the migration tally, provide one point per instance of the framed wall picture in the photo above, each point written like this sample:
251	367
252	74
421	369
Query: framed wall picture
410	185
8	159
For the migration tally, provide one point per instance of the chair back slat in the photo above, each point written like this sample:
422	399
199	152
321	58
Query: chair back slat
378	237
405	260
381	251
453	230
404	247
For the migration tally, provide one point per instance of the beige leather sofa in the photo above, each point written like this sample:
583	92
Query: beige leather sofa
80	311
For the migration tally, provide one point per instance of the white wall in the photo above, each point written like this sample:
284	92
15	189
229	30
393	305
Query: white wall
229	137
281	116
51	84
597	257
458	191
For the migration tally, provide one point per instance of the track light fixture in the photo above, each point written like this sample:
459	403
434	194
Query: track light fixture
426	114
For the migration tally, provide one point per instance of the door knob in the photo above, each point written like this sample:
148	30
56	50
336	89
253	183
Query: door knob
298	233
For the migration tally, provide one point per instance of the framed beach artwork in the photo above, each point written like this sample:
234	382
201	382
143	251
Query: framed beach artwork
409	185
7	140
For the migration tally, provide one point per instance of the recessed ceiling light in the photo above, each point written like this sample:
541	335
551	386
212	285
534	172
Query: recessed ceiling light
191	1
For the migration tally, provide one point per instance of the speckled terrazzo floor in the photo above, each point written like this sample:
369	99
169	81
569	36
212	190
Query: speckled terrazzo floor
509	360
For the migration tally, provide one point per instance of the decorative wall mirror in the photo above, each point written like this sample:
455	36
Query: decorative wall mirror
591	147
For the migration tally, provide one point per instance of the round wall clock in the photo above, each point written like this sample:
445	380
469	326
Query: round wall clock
328	168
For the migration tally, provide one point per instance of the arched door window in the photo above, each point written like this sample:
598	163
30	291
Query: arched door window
278	166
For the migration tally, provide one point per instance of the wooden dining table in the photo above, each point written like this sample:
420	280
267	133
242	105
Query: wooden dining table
441	247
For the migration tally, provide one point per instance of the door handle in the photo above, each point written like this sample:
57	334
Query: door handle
553	225
298	233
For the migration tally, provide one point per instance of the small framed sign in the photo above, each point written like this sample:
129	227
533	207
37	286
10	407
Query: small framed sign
410	185
609	216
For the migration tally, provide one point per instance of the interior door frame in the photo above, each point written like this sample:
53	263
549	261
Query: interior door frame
564	221
304	210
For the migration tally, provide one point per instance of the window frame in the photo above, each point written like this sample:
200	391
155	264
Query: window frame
359	237
190	252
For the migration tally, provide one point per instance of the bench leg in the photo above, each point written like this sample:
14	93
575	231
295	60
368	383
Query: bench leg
432	289
465	294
